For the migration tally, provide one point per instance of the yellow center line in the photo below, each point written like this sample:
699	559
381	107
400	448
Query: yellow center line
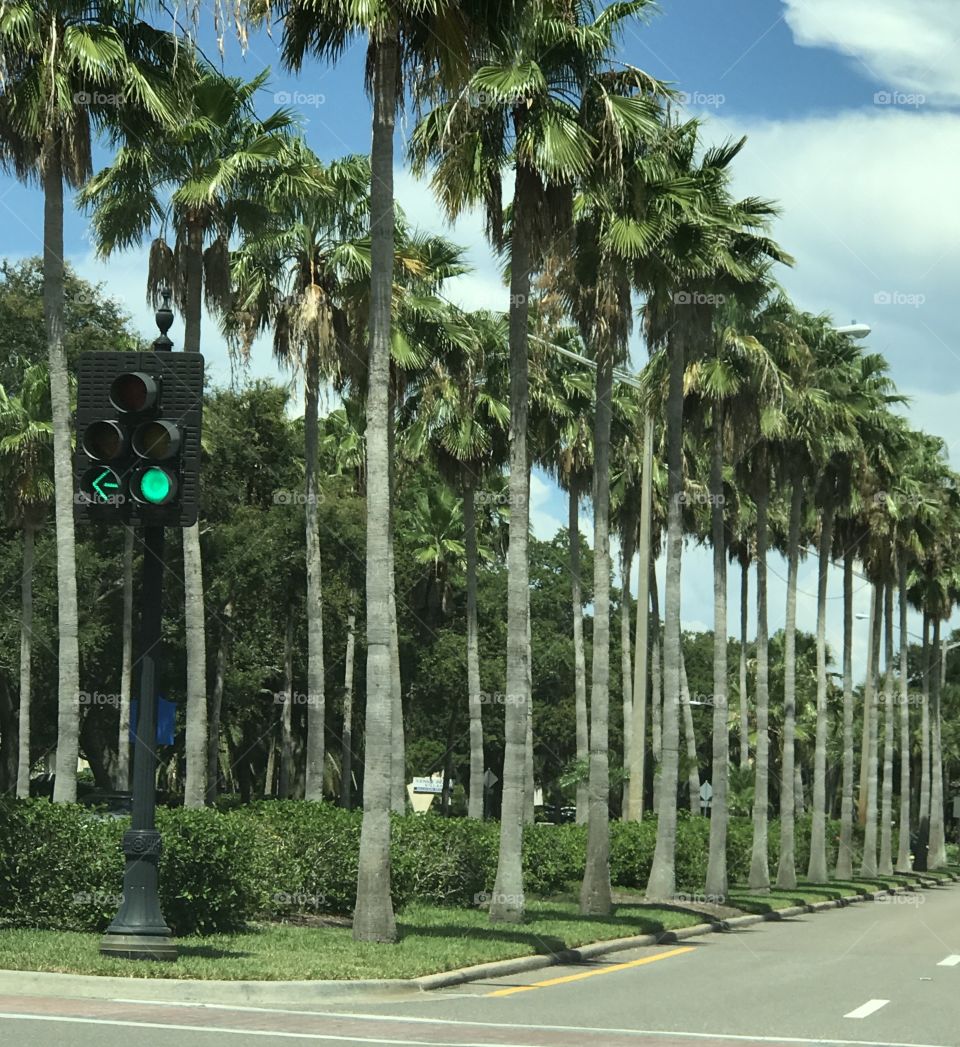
592	974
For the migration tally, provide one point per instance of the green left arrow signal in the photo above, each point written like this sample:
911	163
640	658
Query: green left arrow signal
102	484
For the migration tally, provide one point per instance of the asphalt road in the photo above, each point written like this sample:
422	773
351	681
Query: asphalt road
877	973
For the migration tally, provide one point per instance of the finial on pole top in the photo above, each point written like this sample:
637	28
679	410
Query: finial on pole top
164	318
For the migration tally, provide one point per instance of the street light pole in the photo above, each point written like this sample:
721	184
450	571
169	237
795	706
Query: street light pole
138	931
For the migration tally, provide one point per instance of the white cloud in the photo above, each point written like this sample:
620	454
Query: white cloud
910	46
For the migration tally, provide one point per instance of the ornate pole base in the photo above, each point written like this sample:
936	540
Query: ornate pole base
138	931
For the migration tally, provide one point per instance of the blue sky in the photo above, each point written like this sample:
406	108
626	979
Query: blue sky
851	108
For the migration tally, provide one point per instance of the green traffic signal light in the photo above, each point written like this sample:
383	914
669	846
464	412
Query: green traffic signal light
101	486
154	486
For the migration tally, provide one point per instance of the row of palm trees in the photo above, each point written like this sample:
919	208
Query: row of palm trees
766	411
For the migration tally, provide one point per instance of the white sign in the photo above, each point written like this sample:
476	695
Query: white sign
432	785
706	792
489	779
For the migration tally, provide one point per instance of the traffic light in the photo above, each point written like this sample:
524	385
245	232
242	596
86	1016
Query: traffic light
138	445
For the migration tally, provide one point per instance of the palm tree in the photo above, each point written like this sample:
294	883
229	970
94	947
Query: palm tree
528	119
26	466
209	161
63	64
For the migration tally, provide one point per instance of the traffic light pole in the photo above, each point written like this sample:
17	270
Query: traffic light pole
138	931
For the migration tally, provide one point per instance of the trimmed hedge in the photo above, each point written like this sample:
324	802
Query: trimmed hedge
61	866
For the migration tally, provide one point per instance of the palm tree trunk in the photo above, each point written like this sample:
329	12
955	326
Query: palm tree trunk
759	863
316	695
398	766
744	703
216	704
195	786
798	789
717	862
904	863
346	738
656	685
923	814
690	738
787	868
126	665
845	849
886	794
68	656
817	866
474	703
662	882
868	866
529	789
26	657
579	657
595	897
937	856
642	644
507	903
868	686
626	660
373	918
286	716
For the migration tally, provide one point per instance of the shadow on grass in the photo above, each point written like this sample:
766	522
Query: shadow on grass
208	952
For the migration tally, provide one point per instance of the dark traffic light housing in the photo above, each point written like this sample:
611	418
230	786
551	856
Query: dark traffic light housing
138	438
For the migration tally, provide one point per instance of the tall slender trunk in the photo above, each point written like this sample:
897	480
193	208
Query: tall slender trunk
923	813
662	882
346	738
744	702
507	903
787	867
904	863
68	656
868	686
868	866
886	793
626	659
316	694
286	716
845	849
798	789
642	645
216	704
690	738
373	918
26	657
759	862
656	685
126	664
817	866
717	861
474	702
529	788
937	856
195	785
579	656
398	757
595	897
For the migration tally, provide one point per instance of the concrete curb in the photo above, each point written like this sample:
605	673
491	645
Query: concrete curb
303	993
